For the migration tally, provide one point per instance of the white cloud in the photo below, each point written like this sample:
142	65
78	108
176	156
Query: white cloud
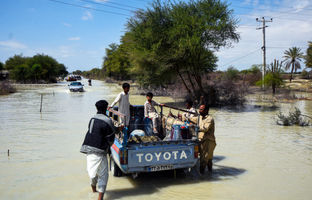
87	16
74	38
65	51
250	2
66	24
286	31
301	5
99	1
11	44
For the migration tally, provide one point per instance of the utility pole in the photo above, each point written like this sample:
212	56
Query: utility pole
263	47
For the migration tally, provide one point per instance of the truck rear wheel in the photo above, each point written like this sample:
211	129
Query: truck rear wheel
114	168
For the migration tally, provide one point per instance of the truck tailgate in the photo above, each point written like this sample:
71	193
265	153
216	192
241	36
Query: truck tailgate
172	155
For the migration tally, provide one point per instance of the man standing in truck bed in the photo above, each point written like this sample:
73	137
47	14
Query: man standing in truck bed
124	104
206	137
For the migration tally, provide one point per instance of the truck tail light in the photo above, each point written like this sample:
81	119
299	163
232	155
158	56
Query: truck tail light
123	155
196	151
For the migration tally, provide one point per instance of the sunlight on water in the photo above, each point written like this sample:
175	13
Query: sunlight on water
254	158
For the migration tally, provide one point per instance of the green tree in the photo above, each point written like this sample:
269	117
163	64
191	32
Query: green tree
273	76
293	57
36	71
252	75
231	73
255	69
308	56
38	67
51	69
172	40
61	70
21	73
14	61
94	73
48	64
116	62
77	72
1	66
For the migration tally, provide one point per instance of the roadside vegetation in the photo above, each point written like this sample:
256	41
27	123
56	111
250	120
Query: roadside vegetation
173	43
170	49
37	69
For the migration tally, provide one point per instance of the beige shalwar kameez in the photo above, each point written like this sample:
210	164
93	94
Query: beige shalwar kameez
206	137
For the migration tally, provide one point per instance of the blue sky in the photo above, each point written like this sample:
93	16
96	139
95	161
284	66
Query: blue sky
78	36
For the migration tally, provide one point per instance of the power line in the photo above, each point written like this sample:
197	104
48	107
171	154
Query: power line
95	9
286	47
281	18
119	4
292	19
242	57
97	3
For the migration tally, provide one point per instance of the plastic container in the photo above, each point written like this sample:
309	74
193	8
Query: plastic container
179	132
137	132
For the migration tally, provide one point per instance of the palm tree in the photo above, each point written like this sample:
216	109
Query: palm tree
293	57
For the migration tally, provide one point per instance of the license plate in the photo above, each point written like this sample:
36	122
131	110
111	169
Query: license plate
160	168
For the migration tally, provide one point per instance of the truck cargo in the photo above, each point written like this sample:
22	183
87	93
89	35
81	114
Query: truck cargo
135	150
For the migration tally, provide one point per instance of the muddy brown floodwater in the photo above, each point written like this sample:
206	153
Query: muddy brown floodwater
254	158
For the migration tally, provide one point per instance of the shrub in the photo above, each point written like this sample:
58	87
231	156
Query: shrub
293	118
6	88
231	74
305	74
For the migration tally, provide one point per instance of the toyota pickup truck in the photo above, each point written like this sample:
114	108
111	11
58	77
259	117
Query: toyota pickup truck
128	157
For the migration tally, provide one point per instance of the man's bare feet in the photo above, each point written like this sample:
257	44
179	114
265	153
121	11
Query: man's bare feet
93	188
101	196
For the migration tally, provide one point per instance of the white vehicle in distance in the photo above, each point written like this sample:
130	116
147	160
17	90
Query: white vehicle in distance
75	86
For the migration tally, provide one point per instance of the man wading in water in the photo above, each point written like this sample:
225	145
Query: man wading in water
206	136
99	138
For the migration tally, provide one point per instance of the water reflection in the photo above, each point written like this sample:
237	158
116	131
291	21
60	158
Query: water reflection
150	183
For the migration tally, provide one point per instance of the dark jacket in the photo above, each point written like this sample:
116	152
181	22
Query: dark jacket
100	135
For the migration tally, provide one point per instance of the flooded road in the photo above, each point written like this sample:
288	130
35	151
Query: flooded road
254	158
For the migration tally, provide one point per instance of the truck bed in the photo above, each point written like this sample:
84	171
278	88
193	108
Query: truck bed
132	154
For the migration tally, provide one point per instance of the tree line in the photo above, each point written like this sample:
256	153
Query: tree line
172	41
37	69
176	43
